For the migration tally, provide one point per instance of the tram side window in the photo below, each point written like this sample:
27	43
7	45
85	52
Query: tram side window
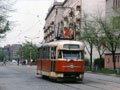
53	52
48	51
59	54
44	53
39	53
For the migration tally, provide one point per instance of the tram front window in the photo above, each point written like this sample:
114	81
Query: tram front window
71	54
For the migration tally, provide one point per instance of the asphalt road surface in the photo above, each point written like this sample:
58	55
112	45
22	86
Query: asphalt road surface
13	77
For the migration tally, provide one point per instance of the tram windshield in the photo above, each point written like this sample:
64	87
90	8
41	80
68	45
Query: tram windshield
71	54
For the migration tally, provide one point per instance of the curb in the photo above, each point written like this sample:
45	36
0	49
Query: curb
114	75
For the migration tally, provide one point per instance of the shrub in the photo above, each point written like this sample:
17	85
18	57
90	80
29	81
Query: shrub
87	62
99	63
87	68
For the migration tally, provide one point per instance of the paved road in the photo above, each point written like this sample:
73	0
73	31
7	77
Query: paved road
13	77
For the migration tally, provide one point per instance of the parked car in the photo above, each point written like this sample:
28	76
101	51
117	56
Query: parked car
14	61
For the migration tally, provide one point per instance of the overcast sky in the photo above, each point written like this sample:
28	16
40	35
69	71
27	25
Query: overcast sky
27	21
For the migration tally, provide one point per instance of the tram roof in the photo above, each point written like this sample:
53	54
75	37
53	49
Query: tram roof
61	42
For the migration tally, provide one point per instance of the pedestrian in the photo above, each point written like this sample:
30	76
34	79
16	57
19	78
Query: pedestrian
18	62
26	61
4	62
31	62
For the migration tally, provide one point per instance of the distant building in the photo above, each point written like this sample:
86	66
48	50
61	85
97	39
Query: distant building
13	51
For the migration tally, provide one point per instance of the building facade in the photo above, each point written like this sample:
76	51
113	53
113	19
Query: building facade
64	20
13	51
109	61
51	19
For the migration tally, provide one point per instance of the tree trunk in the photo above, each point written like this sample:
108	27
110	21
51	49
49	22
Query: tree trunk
91	51
114	60
100	62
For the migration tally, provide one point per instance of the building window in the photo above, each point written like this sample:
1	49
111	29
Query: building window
108	60
116	3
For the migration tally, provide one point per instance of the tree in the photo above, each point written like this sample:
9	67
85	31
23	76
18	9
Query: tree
4	23
99	38
88	36
28	51
112	40
2	55
92	33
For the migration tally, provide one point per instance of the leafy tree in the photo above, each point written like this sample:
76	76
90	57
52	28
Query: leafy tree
93	35
27	51
112	40
87	62
2	55
99	38
87	36
4	23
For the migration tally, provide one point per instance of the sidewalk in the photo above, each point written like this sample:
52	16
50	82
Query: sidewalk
114	75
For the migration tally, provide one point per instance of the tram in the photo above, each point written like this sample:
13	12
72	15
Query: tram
61	60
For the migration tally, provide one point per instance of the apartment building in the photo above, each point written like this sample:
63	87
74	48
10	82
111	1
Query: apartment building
13	51
64	19
53	17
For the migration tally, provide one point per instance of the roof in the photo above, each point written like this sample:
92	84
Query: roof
52	8
62	42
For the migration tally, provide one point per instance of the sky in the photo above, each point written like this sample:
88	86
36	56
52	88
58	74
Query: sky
27	21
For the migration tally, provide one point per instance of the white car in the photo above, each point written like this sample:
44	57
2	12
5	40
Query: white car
14	61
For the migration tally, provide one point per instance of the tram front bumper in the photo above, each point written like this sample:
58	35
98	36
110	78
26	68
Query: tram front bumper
70	76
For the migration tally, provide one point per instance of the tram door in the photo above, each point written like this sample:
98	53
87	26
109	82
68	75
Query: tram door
53	58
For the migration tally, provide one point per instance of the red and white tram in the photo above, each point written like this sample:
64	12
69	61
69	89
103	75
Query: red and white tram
61	60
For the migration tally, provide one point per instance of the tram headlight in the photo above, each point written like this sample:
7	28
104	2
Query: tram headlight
81	76
59	75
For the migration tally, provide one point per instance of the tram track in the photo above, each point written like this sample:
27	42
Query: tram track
100	83
111	82
72	87
103	82
83	84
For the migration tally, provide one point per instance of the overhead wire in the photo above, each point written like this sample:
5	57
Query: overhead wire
34	25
